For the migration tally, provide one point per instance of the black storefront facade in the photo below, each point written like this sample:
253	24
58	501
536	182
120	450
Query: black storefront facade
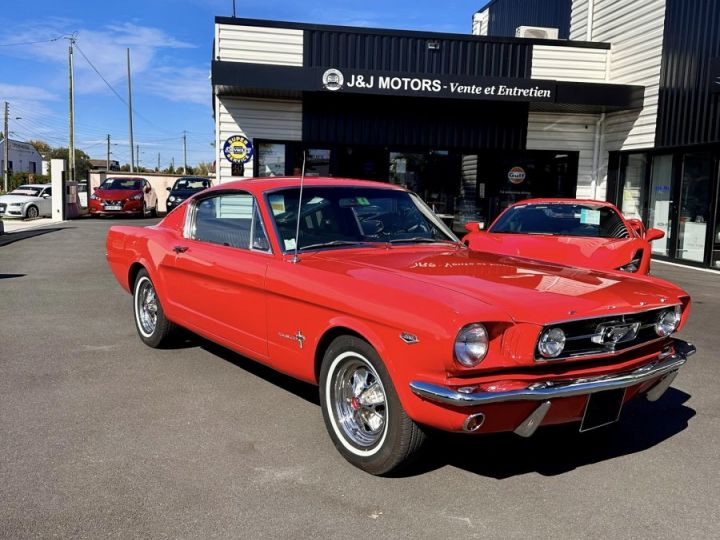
679	179
445	115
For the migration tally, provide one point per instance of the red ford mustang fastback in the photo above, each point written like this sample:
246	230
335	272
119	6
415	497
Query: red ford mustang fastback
585	233
358	287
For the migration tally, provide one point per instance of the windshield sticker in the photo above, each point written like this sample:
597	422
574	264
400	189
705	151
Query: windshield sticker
277	203
589	217
362	201
290	243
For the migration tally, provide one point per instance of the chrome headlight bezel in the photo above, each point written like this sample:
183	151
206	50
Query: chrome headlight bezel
171	198
551	342
471	345
668	321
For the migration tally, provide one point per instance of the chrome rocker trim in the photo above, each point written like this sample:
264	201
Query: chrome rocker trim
552	389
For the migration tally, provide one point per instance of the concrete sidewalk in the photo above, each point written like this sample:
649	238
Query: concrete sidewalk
16	225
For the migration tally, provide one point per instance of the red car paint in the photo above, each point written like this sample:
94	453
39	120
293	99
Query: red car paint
130	201
252	301
585	252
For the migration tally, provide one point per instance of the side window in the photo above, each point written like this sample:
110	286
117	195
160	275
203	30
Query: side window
48	191
230	220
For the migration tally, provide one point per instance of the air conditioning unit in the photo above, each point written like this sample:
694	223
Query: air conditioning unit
536	32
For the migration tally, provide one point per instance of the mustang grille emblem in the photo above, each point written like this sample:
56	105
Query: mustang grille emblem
610	334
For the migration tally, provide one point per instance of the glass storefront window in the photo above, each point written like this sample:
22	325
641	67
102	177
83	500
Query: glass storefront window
694	206
271	159
633	192
659	216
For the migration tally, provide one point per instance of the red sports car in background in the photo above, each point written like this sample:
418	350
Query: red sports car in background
133	196
359	288
584	233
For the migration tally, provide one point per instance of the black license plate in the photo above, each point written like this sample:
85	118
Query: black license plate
602	408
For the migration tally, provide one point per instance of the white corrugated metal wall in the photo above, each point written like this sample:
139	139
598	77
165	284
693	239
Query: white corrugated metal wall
635	30
256	118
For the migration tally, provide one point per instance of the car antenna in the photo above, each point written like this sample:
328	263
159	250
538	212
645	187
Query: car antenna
296	258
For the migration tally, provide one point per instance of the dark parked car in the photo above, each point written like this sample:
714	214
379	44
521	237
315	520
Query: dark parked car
184	188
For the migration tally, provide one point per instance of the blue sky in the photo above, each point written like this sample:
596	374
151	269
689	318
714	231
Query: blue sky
170	45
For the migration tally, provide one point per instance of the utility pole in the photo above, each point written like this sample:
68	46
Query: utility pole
185	152
6	149
71	145
130	115
172	164
137	156
107	164
158	168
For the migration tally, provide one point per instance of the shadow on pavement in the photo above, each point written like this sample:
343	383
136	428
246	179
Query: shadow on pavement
10	276
9	238
553	450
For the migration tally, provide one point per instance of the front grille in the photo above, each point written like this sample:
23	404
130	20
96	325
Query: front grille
606	335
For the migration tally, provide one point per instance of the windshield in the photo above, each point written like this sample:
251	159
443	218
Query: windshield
32	191
191	183
122	183
346	216
562	219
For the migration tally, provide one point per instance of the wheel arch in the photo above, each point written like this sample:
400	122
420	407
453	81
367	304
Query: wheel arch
345	327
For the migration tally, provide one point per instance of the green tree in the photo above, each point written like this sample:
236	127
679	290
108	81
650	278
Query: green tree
41	146
82	161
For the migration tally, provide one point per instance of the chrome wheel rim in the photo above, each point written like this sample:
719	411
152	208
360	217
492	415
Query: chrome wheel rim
146	305
359	402
32	212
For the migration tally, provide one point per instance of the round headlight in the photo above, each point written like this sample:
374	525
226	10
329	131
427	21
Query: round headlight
551	343
471	345
667	321
171	198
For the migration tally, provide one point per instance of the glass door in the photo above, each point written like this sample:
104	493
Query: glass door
660	206
694	207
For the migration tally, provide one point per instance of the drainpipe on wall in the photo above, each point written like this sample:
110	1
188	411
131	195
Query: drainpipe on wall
599	125
590	12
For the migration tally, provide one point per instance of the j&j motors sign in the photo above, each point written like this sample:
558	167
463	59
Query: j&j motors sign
335	80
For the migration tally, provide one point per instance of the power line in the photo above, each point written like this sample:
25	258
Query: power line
100	74
30	42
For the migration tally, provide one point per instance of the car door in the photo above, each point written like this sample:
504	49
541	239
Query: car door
218	274
45	202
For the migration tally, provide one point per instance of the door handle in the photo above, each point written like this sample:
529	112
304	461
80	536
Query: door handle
180	249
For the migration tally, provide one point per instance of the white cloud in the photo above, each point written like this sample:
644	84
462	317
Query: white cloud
188	84
104	47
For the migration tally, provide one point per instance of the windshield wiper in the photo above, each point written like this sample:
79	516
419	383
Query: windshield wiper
419	239
333	243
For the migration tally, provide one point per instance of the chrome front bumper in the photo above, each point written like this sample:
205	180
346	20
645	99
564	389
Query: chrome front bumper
469	396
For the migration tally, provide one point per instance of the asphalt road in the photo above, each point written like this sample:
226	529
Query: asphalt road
101	436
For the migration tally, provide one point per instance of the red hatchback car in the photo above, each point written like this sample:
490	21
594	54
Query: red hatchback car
133	196
584	233
359	288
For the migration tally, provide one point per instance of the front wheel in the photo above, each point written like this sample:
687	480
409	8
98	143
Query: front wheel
362	411
153	327
32	212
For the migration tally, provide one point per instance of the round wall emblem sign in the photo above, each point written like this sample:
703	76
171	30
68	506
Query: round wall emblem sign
333	79
516	175
238	149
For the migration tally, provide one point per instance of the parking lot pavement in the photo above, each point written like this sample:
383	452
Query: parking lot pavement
102	436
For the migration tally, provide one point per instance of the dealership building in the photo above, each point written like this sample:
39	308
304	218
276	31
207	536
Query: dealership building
603	99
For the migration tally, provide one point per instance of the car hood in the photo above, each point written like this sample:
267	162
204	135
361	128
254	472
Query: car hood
599	253
17	198
527	290
116	194
184	193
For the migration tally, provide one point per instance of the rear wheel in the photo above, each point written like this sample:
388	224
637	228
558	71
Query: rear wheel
362	411
154	211
32	212
153	327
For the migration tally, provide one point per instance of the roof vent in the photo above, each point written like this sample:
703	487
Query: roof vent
536	32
